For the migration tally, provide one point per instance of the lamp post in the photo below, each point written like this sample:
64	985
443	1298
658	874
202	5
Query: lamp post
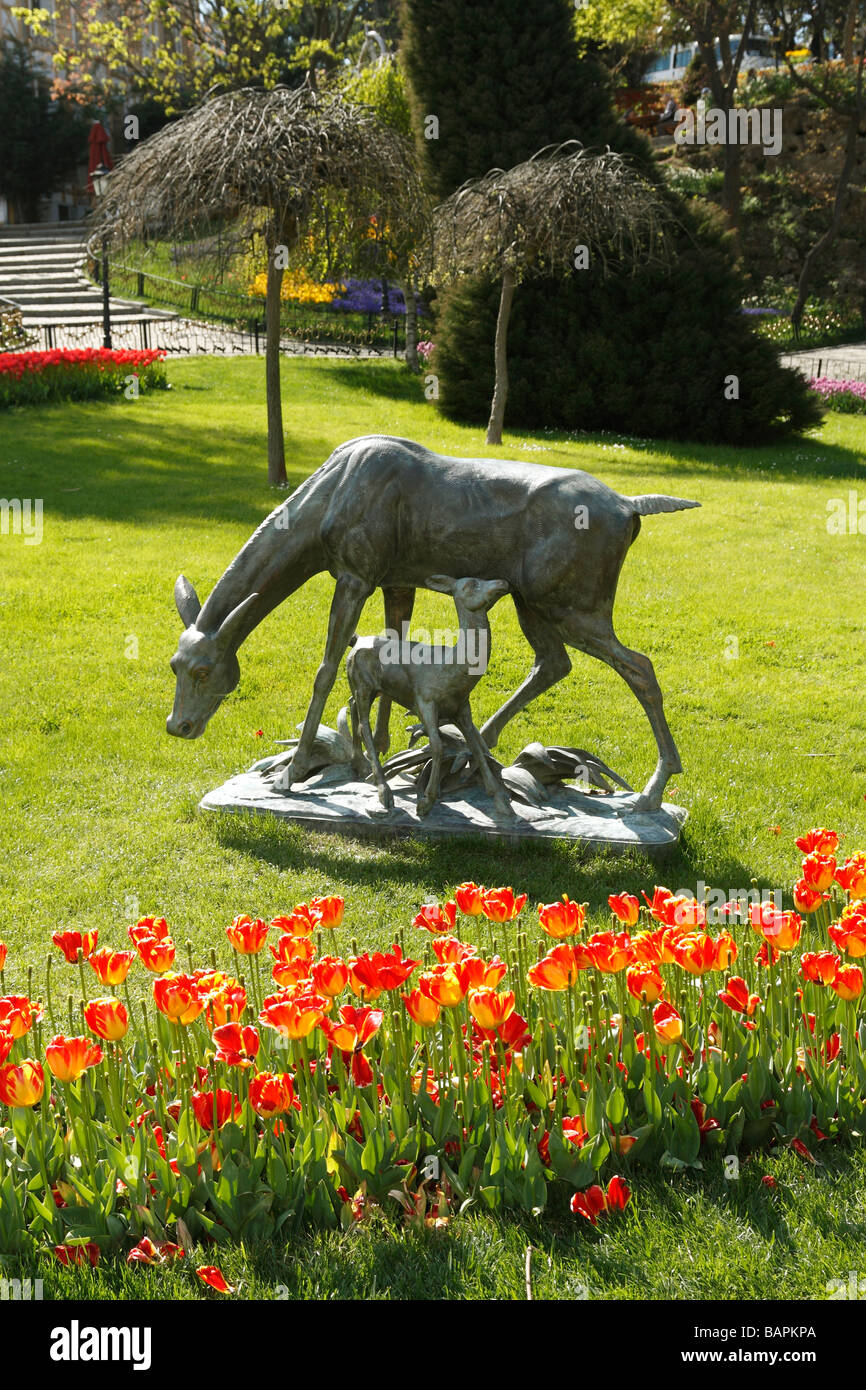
99	179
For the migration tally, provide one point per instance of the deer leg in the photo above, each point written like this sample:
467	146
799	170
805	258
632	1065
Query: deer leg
350	595
363	702
551	665
475	742
598	639
429	717
398	610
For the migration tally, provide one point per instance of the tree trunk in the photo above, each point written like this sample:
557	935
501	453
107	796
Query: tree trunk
500	357
276	446
848	33
832	231
408	289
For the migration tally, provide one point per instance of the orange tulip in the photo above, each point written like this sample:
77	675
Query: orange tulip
148	926
696	953
562	919
214	1278
470	899
271	1094
683	912
852	876
501	905
625	907
558	969
291	973
848	983
178	997
782	930
439	921
353	1028
111	967
301	922
819	870
443	984
667	1023
823	841
21	1083
4	949
293	948
247	935
849	935
294	1018
819	966
421	1009
330	975
328	912
17	1014
807	899
645	982
107	1018
489	1009
476	973
227	1108
157	956
373	972
737	997
7	1042
656	903
574	1130
610	951
225	1004
74	943
69	1058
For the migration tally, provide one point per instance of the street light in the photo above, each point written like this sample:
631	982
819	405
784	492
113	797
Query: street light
99	179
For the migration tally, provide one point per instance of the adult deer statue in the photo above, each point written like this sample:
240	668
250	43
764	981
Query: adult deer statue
383	513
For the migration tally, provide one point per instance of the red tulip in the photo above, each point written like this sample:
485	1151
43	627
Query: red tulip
330	975
18	1014
227	1108
294	1018
301	922
819	966
156	927
489	1009
353	1027
610	952
271	1094
328	912
737	997
645	982
435	919
214	1278
7	1042
852	876
848	983
74	943
821	841
238	1046
818	870
449	951
78	1254
807	899
178	997
668	1024
849	934
157	956
559	968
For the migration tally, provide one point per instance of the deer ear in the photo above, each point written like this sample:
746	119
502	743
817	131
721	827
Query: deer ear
230	625
441	582
187	602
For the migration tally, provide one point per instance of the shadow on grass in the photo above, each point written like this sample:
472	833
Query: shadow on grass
542	870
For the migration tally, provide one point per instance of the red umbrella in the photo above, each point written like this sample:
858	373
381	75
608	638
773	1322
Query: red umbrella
99	152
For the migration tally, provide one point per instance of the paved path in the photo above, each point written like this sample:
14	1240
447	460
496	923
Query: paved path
844	363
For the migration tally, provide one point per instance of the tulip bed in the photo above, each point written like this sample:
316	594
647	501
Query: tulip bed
558	1061
30	378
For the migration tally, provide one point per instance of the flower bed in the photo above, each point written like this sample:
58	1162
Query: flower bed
234	1106
28	378
848	397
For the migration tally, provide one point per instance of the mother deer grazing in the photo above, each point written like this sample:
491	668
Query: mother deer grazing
383	513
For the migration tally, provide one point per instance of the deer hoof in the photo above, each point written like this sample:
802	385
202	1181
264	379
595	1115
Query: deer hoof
425	806
387	799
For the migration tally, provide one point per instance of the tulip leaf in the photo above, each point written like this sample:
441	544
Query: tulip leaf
615	1108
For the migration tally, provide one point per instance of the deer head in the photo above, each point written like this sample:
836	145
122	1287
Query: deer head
205	663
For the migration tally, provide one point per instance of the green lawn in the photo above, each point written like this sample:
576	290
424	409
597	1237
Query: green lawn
751	611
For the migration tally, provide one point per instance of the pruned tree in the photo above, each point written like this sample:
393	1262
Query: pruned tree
267	159
554	214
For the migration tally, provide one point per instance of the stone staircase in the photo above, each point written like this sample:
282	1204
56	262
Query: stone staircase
41	274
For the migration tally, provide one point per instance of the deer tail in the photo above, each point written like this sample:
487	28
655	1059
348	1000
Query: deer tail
649	503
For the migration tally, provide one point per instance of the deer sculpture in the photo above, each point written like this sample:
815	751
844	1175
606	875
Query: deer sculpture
381	513
433	681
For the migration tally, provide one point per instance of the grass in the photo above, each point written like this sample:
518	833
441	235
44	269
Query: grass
750	609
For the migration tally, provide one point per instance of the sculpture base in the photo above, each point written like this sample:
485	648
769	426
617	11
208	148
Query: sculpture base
327	802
